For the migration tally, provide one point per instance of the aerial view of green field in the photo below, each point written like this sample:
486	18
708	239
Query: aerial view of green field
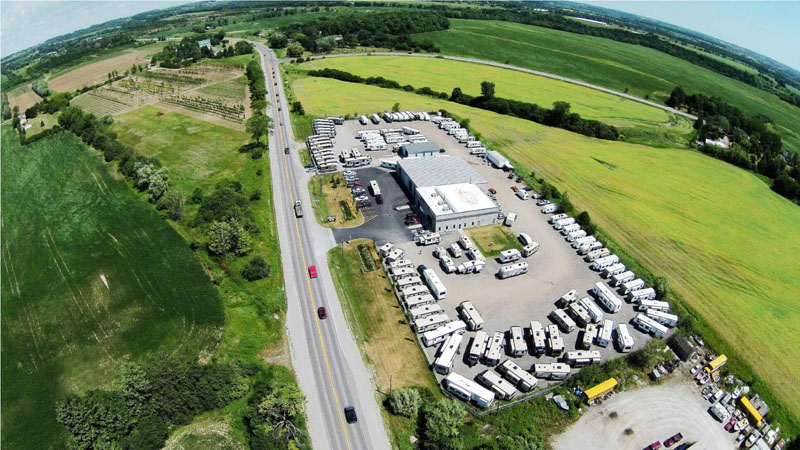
640	71
92	277
668	208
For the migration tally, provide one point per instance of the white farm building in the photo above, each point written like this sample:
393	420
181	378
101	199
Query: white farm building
449	192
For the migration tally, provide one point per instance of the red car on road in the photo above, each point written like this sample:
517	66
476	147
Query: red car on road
673	440
312	271
322	313
729	426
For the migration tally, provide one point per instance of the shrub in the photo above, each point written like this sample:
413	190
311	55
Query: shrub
256	269
405	402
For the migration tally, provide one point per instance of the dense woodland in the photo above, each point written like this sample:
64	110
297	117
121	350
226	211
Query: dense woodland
558	116
754	145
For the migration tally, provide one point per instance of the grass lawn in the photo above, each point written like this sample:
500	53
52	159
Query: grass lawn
233	89
327	201
200	154
197	153
305	156
720	236
374	316
443	75
92	277
234	61
643	71
47	119
493	239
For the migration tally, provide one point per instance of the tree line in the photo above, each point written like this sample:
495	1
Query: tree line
562	23
187	51
753	144
391	29
558	116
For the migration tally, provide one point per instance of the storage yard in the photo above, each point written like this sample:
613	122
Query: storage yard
557	312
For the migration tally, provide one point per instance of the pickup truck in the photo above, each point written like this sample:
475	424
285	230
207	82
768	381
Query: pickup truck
298	208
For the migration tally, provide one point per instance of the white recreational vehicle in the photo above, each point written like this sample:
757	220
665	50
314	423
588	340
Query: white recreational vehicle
596	254
595	312
577	243
642	294
624	339
604	334
589	247
418	301
556	217
664	318
418	312
573	235
502	388
433	337
649	325
431	322
447	354
493	349
470	316
581	358
612	270
530	249
620	278
478	347
563	320
579	313
468	390
607	297
633	285
561	223
510	255
434	283
516	342
549	208
555	342
518	376
512	270
538	339
606	261
552	371
588	335
656	305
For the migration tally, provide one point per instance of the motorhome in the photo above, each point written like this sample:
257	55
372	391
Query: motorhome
563	320
588	335
493	349
510	255
471	316
443	363
595	312
552	371
518	376
625	341
581	358
555	342
435	284
579	313
437	335
512	270
530	249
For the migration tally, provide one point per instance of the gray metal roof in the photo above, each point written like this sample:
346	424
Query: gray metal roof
440	170
421	147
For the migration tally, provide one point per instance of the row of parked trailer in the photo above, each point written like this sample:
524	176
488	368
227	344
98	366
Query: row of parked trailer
326	127
320	148
354	158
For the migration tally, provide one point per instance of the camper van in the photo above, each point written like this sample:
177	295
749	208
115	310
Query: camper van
510	218
510	255
523	194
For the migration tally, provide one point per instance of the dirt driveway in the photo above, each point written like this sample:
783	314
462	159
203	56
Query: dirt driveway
653	413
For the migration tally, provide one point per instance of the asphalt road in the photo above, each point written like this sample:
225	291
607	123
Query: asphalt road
326	359
523	69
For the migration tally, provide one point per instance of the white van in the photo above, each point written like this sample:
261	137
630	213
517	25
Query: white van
510	218
523	194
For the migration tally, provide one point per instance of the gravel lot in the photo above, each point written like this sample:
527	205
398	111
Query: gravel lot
653	413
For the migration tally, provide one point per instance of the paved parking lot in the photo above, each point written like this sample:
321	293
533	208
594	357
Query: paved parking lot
554	269
652	413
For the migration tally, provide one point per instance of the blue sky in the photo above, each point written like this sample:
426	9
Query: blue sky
770	28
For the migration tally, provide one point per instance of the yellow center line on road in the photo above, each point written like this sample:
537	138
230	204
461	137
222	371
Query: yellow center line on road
281	143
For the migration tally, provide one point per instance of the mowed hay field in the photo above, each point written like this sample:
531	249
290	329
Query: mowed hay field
97	72
23	97
68	225
201	152
443	75
727	244
608	63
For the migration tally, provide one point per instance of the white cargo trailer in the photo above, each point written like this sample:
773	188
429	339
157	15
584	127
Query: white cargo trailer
478	347
633	285
471	316
443	363
434	283
606	261
502	388
597	254
612	270
468	390
513	270
510	255
498	160
493	349
538	339
604	334
555	342
552	371
560	317
664	318
516	342
433	337
625	341
620	278
518	376
607	297
642	294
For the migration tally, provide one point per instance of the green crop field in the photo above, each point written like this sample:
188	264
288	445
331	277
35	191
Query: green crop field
92	277
443	75
195	152
609	63
725	242
233	89
201	154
